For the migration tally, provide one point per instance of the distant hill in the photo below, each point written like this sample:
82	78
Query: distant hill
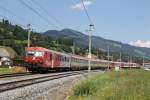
98	42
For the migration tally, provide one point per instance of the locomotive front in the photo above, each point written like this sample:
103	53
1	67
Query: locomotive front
34	56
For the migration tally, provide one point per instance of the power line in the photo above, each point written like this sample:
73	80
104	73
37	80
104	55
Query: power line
41	7
18	17
36	12
10	12
86	12
12	21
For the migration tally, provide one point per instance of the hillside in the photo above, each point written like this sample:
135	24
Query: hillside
15	37
97	42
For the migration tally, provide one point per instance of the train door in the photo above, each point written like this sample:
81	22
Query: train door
56	59
48	59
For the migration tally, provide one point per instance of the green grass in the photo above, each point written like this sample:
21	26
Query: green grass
123	85
5	70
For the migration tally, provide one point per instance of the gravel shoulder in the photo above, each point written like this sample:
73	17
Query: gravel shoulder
58	89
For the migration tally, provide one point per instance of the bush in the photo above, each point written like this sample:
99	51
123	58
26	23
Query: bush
85	88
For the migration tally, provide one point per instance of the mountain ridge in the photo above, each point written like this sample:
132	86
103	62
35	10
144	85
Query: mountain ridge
98	42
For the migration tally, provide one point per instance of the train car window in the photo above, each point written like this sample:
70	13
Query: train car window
64	58
37	54
30	53
61	58
73	59
67	59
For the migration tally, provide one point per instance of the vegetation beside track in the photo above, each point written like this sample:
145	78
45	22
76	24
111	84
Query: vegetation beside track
123	85
6	70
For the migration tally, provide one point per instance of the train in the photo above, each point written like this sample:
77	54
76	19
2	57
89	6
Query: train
42	59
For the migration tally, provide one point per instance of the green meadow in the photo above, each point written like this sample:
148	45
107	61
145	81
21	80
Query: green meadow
122	85
6	70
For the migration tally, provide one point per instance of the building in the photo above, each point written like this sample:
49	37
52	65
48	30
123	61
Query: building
4	53
5	57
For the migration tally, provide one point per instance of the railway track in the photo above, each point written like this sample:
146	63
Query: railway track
25	82
14	75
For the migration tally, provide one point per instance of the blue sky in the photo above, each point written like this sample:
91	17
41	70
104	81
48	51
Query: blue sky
120	20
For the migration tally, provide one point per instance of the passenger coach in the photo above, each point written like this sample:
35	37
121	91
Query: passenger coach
42	59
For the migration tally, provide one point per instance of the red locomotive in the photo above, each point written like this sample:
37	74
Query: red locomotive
42	59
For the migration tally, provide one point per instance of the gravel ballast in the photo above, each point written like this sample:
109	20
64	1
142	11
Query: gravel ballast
58	89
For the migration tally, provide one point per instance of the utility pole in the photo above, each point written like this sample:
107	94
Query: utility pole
120	59
108	56
130	61
97	53
73	49
143	61
29	33
112	58
90	47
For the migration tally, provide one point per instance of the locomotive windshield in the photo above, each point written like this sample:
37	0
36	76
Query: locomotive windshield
36	54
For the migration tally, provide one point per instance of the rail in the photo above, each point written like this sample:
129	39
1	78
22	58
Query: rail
25	82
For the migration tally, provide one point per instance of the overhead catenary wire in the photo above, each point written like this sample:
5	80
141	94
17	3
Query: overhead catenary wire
10	12
12	21
36	12
86	12
14	15
46	12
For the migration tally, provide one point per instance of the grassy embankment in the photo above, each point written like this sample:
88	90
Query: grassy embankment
123	85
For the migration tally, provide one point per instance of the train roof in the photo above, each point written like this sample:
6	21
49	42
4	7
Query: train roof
64	54
44	49
68	55
36	49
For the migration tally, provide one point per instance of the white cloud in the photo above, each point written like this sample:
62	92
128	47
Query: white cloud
79	6
140	43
